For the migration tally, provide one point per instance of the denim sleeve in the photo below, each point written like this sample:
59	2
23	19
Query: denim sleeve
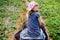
38	15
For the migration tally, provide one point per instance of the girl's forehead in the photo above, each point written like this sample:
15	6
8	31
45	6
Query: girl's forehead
36	6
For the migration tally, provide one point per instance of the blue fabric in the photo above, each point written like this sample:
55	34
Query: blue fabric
33	31
33	24
24	35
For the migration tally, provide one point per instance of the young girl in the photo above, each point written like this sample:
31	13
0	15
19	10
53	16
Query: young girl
33	23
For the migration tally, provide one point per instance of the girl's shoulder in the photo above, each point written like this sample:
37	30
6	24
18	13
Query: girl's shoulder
37	14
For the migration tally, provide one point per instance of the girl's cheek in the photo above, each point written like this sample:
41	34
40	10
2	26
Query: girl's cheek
35	8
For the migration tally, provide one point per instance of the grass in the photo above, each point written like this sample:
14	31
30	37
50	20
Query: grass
11	9
50	11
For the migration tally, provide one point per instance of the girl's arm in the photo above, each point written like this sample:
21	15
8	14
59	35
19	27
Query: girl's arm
40	21
27	15
42	25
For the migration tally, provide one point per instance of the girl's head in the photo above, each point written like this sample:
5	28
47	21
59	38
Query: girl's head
33	6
